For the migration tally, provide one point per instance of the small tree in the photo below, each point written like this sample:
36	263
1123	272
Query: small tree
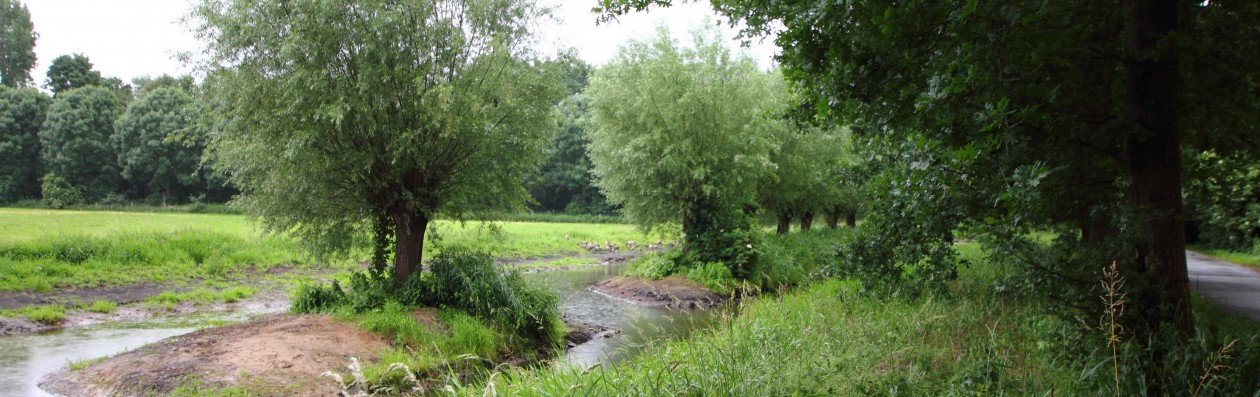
22	113
333	115
75	140
17	44
683	135
150	154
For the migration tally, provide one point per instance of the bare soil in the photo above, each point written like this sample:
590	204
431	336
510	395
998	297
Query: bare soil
278	354
674	291
270	296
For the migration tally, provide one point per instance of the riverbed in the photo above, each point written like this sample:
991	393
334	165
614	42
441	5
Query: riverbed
29	358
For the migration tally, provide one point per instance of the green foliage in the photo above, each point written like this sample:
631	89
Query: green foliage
469	281
715	276
1223	200
310	297
151	155
658	265
683	135
17	44
67	72
565	182
22	114
59	193
328	113
75	139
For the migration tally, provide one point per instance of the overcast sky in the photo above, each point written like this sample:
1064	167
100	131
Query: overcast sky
133	38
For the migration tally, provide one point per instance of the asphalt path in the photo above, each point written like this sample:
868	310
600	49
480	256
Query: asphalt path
1234	287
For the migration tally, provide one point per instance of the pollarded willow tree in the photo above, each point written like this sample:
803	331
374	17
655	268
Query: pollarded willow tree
338	115
684	135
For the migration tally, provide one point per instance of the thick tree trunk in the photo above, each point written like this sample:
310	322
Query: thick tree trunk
784	222
833	217
850	219
1155	164
807	221
408	242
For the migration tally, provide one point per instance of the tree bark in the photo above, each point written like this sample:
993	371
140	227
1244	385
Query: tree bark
408	242
807	221
1154	164
784	222
833	217
850	219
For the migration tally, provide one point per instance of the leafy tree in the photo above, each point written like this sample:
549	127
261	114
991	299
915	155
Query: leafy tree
17	44
809	161
76	140
22	113
1011	117
145	84
566	182
1223	200
151	155
340	115
68	72
684	135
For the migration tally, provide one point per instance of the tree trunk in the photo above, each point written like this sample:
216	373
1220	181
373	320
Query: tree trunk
833	217
850	219
409	228
807	221
784	222
1154	164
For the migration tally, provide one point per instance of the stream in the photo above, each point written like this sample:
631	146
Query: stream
27	359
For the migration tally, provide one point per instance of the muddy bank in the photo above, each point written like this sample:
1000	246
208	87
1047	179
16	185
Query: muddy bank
580	333
278	354
675	292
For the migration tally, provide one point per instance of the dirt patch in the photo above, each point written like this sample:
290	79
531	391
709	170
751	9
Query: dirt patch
15	326
673	291
283	354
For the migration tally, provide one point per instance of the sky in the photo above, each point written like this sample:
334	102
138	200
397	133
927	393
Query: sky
134	38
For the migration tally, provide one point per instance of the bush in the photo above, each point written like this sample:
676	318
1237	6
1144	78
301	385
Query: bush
714	276
59	193
317	298
655	266
468	281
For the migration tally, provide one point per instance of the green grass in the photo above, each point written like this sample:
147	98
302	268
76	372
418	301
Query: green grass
102	306
169	299
1241	258
76	365
46	314
829	338
43	250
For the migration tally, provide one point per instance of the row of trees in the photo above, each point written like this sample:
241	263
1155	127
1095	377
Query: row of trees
93	141
1002	119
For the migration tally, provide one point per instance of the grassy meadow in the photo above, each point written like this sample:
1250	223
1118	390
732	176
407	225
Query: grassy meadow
44	250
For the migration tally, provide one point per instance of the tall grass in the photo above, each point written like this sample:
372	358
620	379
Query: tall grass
831	338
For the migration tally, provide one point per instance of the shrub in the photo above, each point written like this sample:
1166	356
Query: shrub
714	276
59	193
469	281
655	266
317	298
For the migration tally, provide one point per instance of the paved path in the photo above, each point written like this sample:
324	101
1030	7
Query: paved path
1235	288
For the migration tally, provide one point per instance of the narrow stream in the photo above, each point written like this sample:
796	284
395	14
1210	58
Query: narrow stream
27	359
